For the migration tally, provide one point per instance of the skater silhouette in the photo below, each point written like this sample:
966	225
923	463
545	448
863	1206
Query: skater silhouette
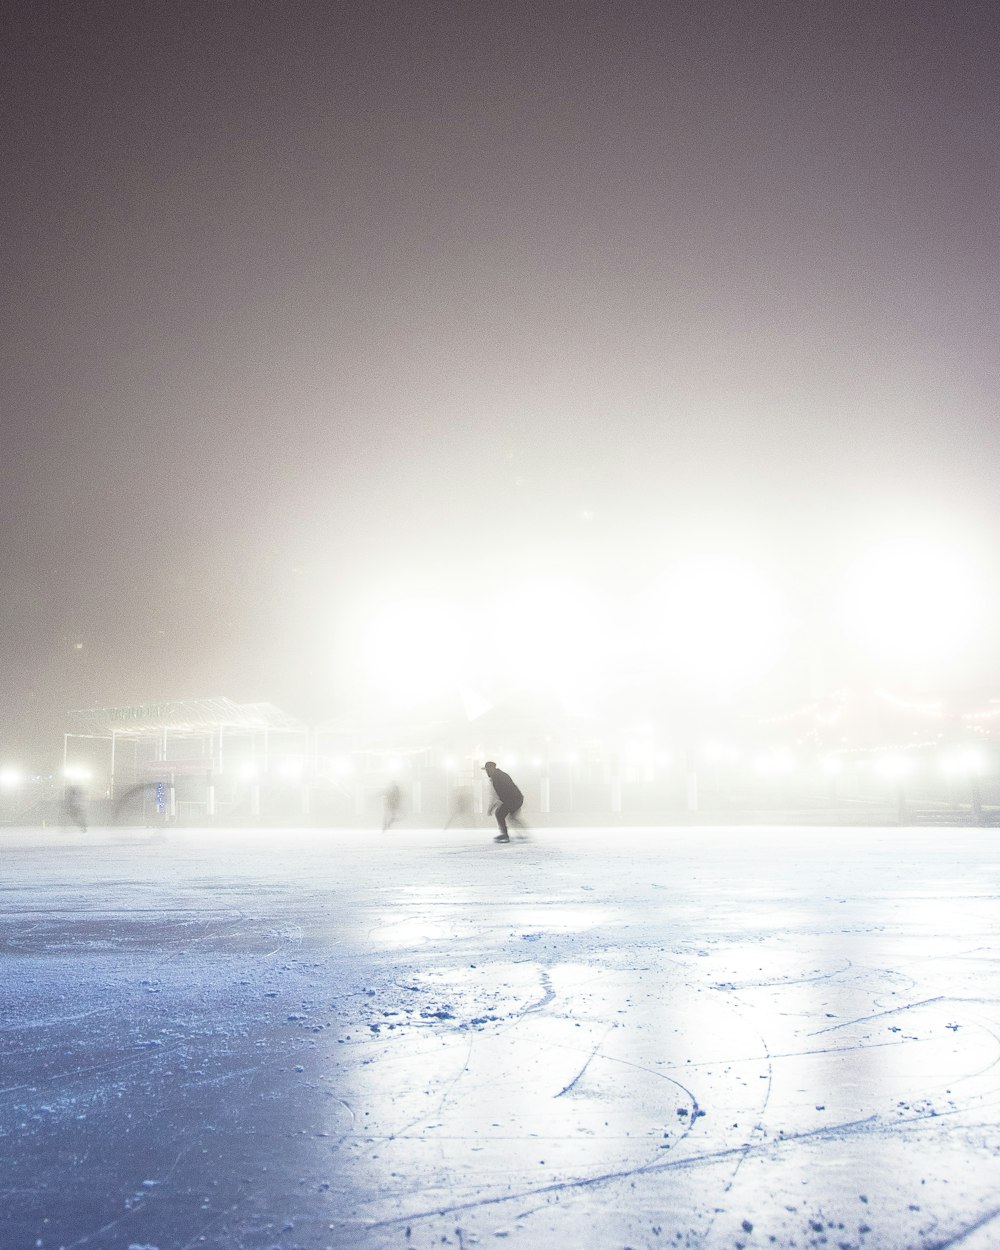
392	800
508	801
73	808
461	806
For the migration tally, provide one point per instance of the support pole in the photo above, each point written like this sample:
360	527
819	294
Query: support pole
692	789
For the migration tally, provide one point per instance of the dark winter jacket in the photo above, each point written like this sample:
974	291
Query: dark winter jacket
506	791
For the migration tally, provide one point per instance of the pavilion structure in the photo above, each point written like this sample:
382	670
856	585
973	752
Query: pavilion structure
858	757
203	754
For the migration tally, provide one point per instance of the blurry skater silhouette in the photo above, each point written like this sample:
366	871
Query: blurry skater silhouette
73	808
508	801
461	806
392	801
132	803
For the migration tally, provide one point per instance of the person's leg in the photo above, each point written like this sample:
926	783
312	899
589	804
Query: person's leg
501	814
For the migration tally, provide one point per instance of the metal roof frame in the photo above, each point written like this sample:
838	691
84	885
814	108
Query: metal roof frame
182	718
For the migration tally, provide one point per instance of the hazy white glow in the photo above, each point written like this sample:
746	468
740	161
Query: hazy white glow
639	752
894	766
774	763
711	625
720	753
717	624
74	772
909	602
247	772
832	765
10	778
291	768
963	762
549	636
343	766
415	651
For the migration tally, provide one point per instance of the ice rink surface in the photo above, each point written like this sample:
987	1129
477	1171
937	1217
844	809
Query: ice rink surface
600	1039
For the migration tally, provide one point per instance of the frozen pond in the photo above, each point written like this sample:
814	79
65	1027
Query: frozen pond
706	1038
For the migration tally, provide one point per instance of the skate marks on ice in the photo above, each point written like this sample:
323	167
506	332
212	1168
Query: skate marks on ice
728	1123
348	1055
828	1148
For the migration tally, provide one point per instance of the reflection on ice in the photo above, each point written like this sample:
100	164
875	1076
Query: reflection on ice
578	1043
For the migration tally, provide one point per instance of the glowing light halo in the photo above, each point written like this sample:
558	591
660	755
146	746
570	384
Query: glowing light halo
548	635
894	767
966	761
711	621
414	649
911	601
715	623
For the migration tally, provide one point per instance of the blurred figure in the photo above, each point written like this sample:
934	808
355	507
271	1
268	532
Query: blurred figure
508	801
461	805
73	808
392	800
130	806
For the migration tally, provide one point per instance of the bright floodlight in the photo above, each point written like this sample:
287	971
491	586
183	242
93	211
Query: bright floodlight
774	764
911	602
415	651
74	772
717	624
10	778
550	639
895	767
963	762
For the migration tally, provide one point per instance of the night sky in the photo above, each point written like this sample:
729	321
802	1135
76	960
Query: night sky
312	304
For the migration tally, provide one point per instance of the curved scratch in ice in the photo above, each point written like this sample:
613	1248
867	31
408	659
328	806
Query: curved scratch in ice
566	1088
645	1169
892	1011
957	1240
758	1130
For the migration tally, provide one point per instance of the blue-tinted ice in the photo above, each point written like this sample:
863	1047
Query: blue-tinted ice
243	1040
